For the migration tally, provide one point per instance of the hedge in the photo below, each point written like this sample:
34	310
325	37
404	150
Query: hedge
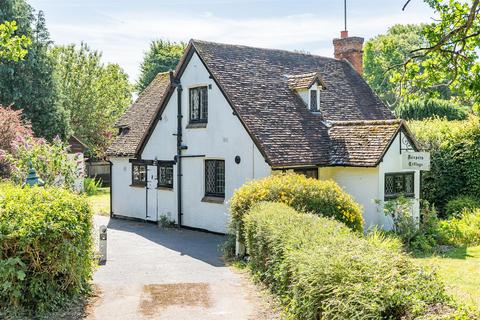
46	252
431	108
324	198
455	150
320	269
462	230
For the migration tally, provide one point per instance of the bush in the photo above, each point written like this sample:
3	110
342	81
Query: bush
431	108
455	207
455	150
46	253
324	198
320	269
91	186
463	230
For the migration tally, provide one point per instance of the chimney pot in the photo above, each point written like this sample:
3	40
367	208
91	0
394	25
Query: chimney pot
350	49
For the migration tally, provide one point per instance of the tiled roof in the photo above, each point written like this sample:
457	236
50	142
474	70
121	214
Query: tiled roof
354	127
136	120
360	143
255	82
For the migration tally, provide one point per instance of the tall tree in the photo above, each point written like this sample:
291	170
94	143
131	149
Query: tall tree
12	47
28	84
162	56
95	95
452	47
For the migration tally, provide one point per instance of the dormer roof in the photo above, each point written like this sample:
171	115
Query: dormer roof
305	81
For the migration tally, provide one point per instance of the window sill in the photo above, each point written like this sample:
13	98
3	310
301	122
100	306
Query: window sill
196	125
165	188
137	185
212	199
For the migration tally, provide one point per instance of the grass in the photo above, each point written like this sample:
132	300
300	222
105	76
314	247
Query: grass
100	202
460	270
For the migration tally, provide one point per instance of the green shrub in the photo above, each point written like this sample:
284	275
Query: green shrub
325	198
463	230
455	150
91	186
320	269
455	207
46	253
431	108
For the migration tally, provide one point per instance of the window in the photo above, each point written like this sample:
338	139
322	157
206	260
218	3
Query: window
397	184
309	173
314	100
198	105
215	178
139	174
165	174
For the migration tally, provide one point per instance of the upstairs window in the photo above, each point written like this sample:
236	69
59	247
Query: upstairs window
399	184
314	100
215	178
139	174
198	104
165	174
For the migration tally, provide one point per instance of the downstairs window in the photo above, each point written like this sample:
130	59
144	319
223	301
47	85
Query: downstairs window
165	174
139	174
215	178
399	184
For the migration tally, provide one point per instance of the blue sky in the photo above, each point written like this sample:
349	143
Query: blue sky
122	29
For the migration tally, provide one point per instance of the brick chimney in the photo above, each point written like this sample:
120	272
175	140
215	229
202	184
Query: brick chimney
351	49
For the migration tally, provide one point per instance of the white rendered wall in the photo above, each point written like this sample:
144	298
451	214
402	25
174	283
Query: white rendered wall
223	138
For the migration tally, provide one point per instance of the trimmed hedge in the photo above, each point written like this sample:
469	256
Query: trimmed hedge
322	270
324	198
46	249
455	154
431	108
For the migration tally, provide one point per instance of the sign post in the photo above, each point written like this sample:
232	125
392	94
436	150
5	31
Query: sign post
416	161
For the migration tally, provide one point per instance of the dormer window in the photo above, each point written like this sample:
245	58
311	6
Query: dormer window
314	100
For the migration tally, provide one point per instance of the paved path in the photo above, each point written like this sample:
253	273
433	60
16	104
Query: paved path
154	273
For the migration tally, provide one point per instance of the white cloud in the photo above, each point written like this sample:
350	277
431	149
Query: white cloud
123	38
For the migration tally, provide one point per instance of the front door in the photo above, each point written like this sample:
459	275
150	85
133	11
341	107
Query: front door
151	194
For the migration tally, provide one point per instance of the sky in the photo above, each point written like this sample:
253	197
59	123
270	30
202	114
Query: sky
123	29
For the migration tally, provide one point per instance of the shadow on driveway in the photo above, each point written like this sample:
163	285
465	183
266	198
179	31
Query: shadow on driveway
202	246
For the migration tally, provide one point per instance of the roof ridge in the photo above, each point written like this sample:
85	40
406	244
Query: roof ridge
193	41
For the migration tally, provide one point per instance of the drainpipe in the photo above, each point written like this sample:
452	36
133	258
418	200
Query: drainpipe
176	83
111	188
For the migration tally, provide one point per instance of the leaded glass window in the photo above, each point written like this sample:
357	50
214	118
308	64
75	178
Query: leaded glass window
165	175
139	174
215	178
397	184
313	100
198	104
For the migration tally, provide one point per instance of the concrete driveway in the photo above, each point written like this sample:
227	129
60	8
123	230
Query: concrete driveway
155	273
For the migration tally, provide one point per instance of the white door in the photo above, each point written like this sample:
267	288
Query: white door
152	195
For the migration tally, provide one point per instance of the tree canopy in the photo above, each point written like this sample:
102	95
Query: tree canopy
12	47
162	56
28	84
94	94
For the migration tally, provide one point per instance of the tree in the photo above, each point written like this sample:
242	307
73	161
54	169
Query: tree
452	47
12	47
95	95
28	84
162	56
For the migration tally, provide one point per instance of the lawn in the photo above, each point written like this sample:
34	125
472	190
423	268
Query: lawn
460	269
100	202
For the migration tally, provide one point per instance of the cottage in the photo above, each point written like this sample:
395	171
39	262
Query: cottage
230	113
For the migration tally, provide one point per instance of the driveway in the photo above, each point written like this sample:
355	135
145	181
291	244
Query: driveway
155	273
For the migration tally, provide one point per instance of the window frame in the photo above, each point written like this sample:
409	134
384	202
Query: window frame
317	100
135	182
207	192
200	110
166	164
304	171
403	175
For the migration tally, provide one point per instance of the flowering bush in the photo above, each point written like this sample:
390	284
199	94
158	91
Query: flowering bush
50	160
324	198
